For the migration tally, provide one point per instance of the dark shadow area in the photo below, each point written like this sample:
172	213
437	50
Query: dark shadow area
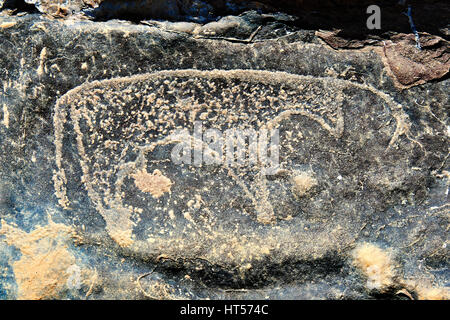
348	15
19	6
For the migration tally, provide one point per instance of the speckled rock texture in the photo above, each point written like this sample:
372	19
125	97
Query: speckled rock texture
92	205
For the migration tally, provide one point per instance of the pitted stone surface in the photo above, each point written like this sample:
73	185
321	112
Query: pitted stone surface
357	209
124	126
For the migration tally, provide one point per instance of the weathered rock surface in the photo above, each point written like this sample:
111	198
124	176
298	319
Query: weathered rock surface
93	206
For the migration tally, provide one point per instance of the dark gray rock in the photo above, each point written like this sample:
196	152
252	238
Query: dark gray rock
357	209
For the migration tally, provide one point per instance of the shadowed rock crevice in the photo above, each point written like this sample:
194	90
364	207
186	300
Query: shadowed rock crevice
18	6
349	16
260	275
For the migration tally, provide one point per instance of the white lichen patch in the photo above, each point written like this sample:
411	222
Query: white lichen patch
376	264
302	183
42	57
74	280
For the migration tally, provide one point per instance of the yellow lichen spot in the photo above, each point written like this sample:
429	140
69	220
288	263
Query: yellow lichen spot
302	183
6	25
41	69
188	216
122	238
376	264
41	271
5	116
156	184
426	293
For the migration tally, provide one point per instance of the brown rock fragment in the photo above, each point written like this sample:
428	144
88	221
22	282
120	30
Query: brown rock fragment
411	66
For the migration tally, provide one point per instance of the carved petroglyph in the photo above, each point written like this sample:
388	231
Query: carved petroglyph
156	184
115	136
